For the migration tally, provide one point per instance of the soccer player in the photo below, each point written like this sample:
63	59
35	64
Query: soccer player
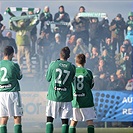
83	106
10	100
60	74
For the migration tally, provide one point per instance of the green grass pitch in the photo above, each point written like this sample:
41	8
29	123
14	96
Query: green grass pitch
83	130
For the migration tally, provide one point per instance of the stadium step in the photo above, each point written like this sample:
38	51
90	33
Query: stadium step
34	67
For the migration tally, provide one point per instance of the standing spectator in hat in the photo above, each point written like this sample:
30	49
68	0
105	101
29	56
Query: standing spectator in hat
56	45
46	16
81	26
130	20
22	30
117	28
62	16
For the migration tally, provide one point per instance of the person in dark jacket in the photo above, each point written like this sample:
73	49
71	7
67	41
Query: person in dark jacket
81	26
44	17
12	41
33	36
117	28
95	28
62	16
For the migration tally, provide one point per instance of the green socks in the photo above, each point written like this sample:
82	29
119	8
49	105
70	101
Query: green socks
17	128
49	127
72	129
3	129
65	128
90	129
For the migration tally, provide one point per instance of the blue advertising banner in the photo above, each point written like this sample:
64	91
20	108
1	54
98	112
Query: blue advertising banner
110	106
114	105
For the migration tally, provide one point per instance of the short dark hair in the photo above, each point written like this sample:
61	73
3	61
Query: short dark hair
8	50
61	6
82	7
80	59
65	53
1	17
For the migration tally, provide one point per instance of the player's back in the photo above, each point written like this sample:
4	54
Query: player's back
9	76
83	84
60	74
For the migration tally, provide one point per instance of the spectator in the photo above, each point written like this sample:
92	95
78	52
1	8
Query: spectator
100	82
128	45
101	68
81	26
105	32
129	34
95	28
109	47
124	62
129	85
54	32
43	50
130	20
117	28
80	47
33	36
93	60
121	80
2	44
56	46
71	42
46	16
100	75
23	41
109	62
1	26
12	41
113	83
62	16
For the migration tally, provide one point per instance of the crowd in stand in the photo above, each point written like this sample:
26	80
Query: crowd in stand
107	45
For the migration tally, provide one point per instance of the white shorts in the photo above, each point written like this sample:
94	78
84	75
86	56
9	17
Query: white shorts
83	114
10	104
61	109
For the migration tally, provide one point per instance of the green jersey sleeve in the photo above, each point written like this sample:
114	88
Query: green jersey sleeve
18	71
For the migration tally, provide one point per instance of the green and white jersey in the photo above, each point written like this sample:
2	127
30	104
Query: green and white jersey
60	74
83	83
9	75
